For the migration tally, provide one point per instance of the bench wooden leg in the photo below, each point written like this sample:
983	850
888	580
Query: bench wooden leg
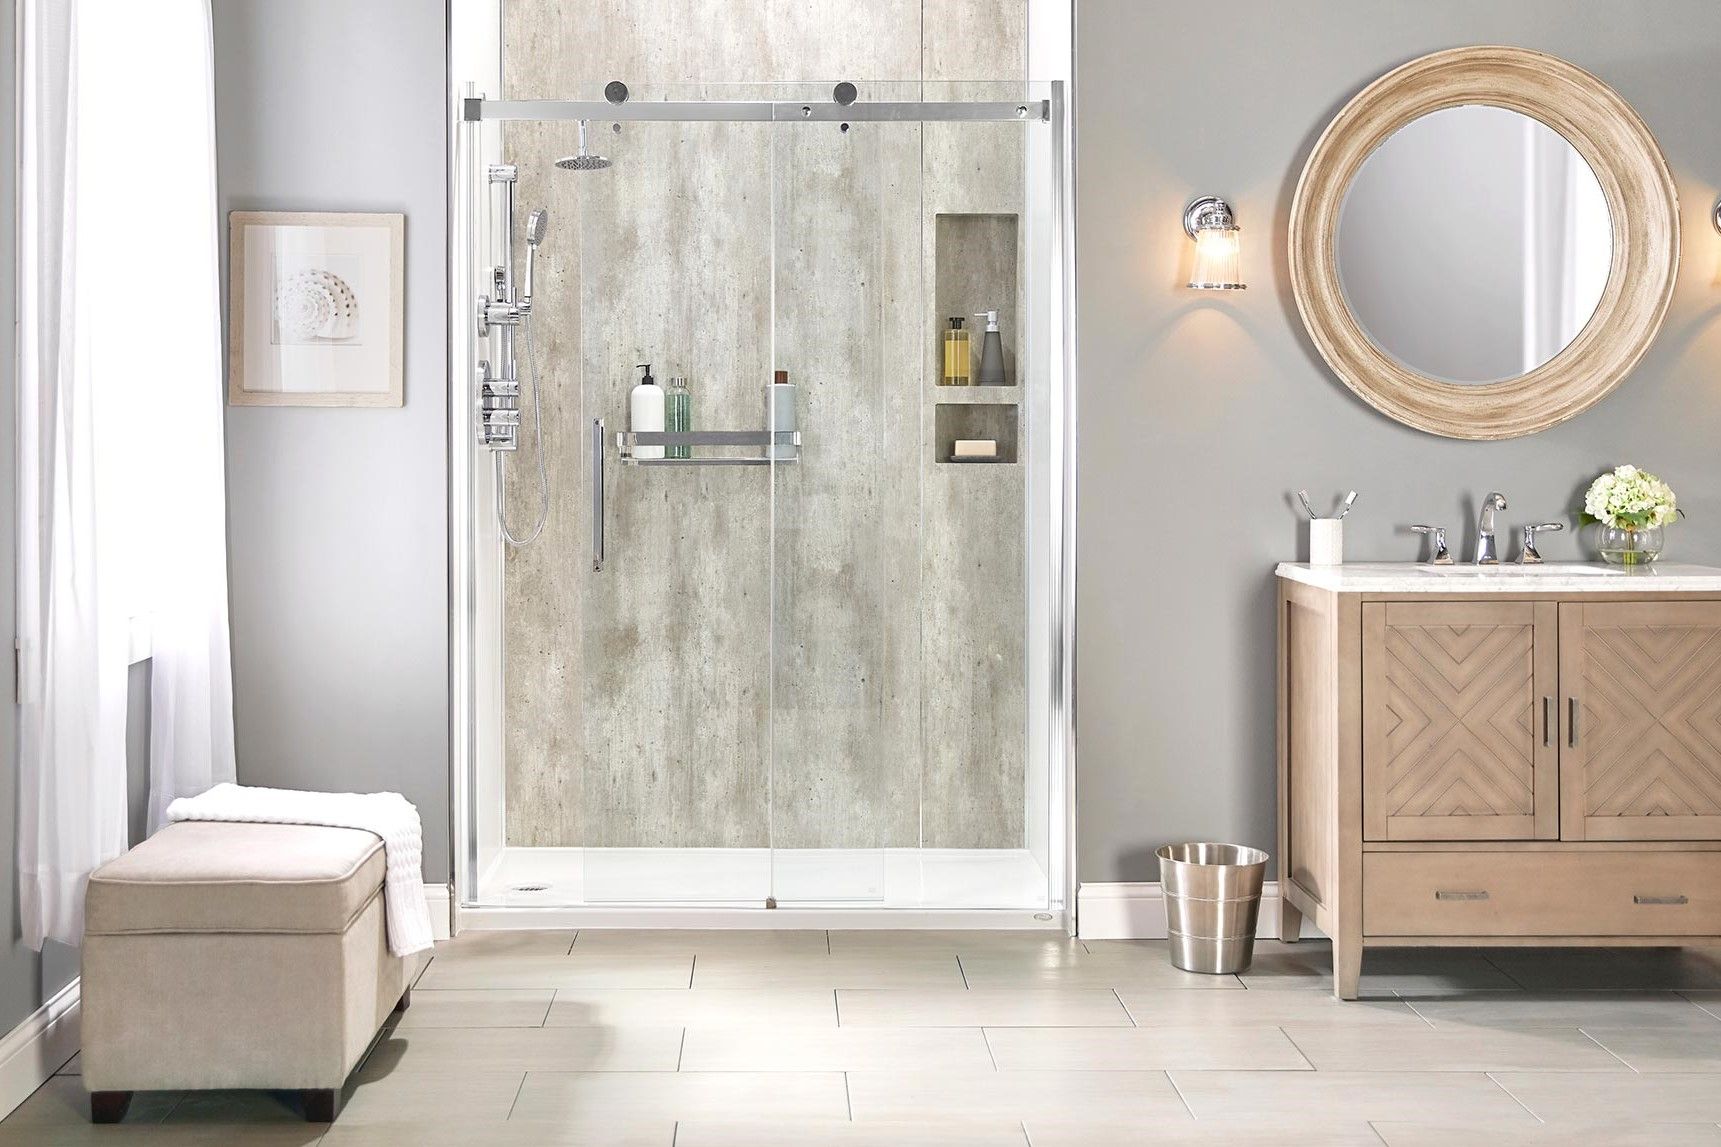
405	1001
322	1105
108	1106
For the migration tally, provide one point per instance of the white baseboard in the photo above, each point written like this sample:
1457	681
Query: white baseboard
38	1047
1136	911
441	907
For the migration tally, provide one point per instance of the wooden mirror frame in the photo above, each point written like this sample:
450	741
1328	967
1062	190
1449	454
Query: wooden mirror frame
1642	202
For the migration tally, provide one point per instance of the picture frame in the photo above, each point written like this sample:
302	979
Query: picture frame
316	308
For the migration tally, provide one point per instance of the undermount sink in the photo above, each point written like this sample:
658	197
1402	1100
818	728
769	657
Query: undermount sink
1545	569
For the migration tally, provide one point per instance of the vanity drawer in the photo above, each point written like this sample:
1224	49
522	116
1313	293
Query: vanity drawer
1541	894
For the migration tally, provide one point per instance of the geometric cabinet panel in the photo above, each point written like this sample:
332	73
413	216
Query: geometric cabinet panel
1642	759
1458	721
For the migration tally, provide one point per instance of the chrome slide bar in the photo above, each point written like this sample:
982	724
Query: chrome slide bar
766	111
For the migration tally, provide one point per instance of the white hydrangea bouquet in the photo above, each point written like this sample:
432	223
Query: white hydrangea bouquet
1630	506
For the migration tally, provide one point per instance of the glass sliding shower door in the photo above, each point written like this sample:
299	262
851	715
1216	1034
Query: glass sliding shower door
802	656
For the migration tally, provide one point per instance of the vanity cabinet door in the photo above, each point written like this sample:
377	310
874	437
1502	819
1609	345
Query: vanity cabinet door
1641	754
1458	721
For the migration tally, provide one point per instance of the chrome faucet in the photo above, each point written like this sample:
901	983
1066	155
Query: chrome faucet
1529	556
1486	553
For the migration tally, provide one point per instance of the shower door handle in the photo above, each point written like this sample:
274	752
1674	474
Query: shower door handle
597	494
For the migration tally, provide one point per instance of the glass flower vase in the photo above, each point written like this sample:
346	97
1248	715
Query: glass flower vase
1624	546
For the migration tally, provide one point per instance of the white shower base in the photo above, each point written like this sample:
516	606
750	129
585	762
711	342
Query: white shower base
627	885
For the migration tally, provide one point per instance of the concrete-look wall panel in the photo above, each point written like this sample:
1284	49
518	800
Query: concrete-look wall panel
751	666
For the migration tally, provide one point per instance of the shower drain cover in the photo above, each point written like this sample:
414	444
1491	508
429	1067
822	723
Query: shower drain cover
530	888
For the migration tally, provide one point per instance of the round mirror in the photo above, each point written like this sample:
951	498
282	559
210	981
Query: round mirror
1474	244
1484	242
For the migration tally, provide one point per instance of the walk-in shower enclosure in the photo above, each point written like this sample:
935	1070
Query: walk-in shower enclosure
810	670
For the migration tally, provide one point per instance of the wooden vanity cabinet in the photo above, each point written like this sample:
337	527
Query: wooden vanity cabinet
1490	769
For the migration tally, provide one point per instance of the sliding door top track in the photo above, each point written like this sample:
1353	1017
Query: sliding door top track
768	111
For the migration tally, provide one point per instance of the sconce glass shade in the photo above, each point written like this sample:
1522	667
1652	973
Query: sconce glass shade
1218	245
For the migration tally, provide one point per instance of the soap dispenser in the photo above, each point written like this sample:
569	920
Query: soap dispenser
991	372
780	414
645	411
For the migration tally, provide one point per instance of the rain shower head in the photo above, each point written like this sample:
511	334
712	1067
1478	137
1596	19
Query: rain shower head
536	224
584	160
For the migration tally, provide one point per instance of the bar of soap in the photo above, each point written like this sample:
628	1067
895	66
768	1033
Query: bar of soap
975	448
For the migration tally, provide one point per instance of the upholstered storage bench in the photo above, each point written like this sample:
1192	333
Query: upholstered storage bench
222	955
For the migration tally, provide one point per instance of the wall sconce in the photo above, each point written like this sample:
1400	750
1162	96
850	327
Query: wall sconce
1210	223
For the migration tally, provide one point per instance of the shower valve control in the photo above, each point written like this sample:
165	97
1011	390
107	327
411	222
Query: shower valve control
498	411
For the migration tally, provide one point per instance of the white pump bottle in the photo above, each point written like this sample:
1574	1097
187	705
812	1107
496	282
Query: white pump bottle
645	411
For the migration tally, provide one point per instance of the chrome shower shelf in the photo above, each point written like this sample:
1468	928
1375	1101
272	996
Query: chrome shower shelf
627	441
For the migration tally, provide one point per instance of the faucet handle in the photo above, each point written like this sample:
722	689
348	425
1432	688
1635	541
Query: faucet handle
1528	555
1438	533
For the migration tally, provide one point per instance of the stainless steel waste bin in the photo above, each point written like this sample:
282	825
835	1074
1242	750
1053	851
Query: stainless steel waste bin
1212	897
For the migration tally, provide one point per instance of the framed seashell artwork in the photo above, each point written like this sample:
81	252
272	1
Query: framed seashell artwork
315	309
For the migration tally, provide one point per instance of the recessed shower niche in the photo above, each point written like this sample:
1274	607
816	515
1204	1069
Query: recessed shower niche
794	685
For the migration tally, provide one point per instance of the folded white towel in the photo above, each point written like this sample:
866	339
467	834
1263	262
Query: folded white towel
389	815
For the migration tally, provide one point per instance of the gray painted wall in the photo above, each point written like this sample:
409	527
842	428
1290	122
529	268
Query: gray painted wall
1200	415
337	519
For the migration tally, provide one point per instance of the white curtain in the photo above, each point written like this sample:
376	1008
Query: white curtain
121	490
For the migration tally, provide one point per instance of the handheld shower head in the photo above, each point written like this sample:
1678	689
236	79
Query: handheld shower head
584	160
537	223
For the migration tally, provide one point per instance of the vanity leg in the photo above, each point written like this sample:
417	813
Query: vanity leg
1290	921
1347	969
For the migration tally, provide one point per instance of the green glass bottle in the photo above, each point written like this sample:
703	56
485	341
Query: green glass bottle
678	416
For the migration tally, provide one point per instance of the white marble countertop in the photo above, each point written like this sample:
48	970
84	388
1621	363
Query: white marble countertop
1551	577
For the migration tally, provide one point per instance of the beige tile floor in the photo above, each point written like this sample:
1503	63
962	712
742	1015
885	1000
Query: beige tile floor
971	1039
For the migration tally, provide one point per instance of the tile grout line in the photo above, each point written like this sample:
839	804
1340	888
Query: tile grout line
1373	1130
574	940
1685	994
517	1092
1515	1099
681	1051
1414	1010
1585	1032
848	1099
1299	1047
963	972
1169	1078
990	1054
1129	1015
1026	1138
837	1003
694	963
1486	959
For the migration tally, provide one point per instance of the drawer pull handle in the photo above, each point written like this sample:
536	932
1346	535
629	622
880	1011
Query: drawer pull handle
1572	722
1678	899
1441	894
1547	721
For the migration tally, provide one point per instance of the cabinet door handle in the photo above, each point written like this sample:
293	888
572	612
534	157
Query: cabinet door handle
1443	894
1572	722
1679	898
1547	721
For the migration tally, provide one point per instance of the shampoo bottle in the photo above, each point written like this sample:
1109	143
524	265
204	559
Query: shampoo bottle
645	411
955	354
991	372
780	413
